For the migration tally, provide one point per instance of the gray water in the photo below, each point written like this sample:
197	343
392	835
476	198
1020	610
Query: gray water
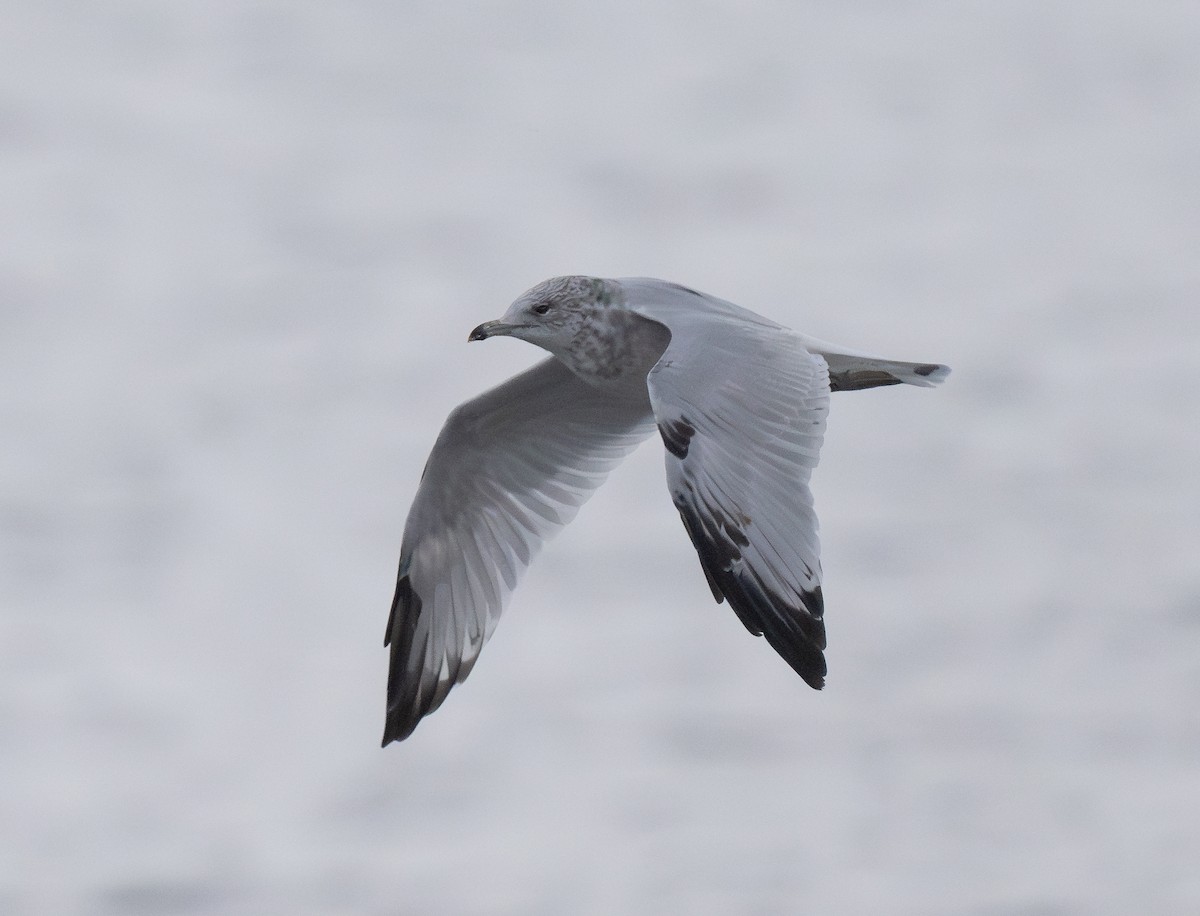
242	246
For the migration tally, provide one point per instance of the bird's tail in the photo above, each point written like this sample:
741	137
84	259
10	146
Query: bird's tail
850	370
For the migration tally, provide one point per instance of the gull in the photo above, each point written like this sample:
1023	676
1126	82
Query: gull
739	402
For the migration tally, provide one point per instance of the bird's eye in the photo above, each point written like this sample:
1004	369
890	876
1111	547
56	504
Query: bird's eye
541	309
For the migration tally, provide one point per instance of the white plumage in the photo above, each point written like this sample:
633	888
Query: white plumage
740	403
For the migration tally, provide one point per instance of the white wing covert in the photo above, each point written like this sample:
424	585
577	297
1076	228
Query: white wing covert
509	469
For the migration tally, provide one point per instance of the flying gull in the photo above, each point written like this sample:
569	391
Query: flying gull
740	404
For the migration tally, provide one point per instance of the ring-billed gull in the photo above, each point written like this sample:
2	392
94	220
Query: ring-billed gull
740	404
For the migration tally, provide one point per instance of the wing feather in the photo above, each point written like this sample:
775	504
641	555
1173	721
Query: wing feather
509	469
741	408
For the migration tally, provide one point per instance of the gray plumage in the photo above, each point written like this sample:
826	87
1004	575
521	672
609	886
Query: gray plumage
740	404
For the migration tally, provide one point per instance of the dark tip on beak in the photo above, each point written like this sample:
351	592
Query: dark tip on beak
491	329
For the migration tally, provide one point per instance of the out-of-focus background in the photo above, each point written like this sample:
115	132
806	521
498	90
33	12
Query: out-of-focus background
242	246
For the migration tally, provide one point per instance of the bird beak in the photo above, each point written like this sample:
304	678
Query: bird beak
491	329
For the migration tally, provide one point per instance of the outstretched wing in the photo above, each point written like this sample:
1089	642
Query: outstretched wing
741	408
509	469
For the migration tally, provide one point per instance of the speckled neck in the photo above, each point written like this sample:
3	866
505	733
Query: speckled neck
615	349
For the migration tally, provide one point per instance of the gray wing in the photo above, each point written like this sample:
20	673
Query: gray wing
741	408
508	470
849	370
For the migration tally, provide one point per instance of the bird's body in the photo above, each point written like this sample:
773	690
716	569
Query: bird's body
740	404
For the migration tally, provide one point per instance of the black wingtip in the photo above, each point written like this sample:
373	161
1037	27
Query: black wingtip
399	726
807	657
394	731
808	662
391	731
796	633
403	710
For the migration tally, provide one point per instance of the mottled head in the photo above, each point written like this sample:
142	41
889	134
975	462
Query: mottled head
554	313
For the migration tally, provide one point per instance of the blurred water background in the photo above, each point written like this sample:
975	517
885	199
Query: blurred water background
242	246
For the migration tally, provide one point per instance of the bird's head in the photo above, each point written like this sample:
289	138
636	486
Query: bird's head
553	314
